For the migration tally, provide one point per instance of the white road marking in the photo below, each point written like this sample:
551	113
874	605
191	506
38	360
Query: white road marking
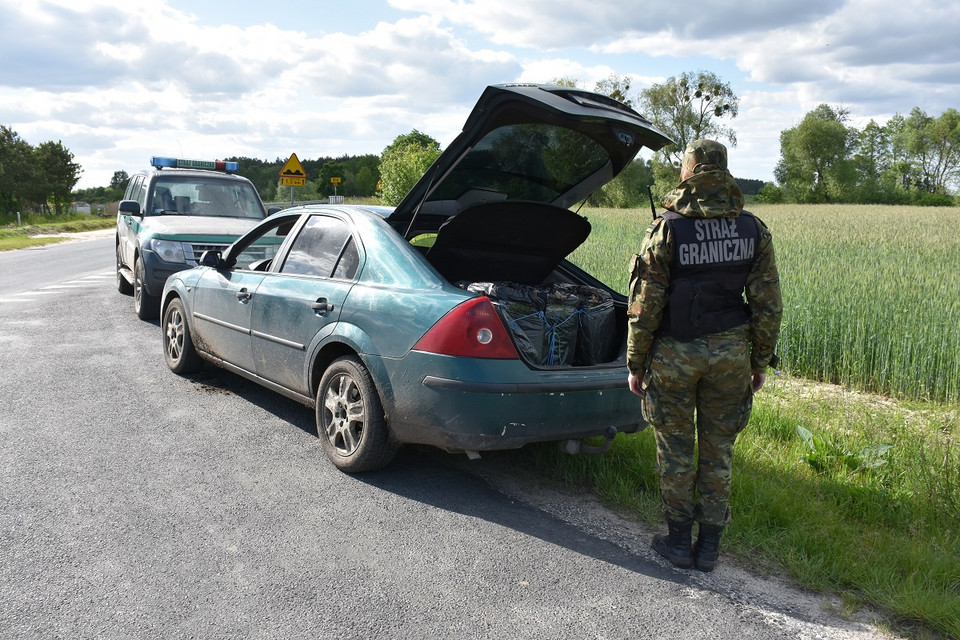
84	282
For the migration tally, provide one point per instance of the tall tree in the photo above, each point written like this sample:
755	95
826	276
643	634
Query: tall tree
568	82
403	162
366	181
690	107
900	163
872	162
332	169
14	168
815	158
57	174
119	181
617	87
933	145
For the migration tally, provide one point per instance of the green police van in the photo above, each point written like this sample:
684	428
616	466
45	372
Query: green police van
170	214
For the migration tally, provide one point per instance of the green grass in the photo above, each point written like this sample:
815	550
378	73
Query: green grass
35	230
850	488
881	531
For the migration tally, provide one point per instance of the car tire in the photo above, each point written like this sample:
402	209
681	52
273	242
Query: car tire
350	420
146	306
178	349
123	286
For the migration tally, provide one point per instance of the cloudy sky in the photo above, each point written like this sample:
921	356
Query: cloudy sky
120	81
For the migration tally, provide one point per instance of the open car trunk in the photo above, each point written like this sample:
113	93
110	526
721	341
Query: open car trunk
513	252
498	199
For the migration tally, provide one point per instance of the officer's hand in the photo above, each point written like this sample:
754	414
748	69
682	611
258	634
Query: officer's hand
636	383
758	378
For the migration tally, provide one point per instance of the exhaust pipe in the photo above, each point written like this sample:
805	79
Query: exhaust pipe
575	447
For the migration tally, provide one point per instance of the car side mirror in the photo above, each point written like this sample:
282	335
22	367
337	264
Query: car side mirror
211	258
130	207
273	210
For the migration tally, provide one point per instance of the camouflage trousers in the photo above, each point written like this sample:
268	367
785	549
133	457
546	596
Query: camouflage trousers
709	376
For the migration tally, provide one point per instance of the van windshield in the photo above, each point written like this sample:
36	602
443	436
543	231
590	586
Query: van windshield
201	196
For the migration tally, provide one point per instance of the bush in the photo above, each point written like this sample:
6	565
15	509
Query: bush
926	199
770	194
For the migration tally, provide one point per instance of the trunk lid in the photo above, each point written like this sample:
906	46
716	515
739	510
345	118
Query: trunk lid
523	142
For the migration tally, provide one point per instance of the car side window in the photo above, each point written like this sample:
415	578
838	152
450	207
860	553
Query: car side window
349	262
258	254
134	189
317	249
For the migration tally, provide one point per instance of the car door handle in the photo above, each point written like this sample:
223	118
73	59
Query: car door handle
322	307
243	295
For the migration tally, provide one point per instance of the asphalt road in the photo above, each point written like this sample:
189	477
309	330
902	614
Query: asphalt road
135	503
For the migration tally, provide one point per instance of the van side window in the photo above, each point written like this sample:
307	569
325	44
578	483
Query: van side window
134	188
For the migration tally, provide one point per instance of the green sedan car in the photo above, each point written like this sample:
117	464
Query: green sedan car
455	319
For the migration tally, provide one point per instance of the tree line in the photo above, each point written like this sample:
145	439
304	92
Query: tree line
358	175
37	178
358	178
913	159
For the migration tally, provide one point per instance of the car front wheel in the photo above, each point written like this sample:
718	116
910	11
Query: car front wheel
178	348
146	306
350	420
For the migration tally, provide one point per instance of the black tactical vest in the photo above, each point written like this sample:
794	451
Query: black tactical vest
708	272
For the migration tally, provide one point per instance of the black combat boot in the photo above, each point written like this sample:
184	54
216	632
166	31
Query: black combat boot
708	547
676	546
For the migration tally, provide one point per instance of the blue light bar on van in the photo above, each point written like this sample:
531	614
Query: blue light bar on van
180	163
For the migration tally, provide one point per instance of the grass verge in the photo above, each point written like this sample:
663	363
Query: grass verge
843	492
39	231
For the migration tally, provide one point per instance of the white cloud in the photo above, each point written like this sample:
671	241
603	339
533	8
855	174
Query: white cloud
118	82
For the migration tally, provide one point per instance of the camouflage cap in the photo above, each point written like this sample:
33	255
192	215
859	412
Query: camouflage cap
707	152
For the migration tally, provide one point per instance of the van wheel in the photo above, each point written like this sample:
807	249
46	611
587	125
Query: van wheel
146	306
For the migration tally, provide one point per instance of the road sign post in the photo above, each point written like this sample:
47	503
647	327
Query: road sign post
292	175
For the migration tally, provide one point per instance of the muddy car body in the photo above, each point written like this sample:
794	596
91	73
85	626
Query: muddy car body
453	320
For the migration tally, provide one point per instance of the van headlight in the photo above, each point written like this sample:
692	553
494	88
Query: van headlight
168	250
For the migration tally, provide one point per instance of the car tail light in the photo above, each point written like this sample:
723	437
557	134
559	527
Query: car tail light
471	330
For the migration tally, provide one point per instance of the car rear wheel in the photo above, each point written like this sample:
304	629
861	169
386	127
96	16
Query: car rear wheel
178	348
146	306
350	420
123	286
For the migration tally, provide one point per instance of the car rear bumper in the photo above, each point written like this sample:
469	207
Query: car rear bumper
550	386
475	405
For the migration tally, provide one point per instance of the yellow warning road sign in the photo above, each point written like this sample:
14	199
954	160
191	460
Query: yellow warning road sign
292	173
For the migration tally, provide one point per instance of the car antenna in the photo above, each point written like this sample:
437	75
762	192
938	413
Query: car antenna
653	207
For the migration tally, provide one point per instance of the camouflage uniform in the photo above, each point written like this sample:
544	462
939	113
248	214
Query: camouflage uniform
709	374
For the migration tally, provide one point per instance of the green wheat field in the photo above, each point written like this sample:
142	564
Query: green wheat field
871	293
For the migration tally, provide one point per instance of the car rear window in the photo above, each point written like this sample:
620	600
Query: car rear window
525	162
